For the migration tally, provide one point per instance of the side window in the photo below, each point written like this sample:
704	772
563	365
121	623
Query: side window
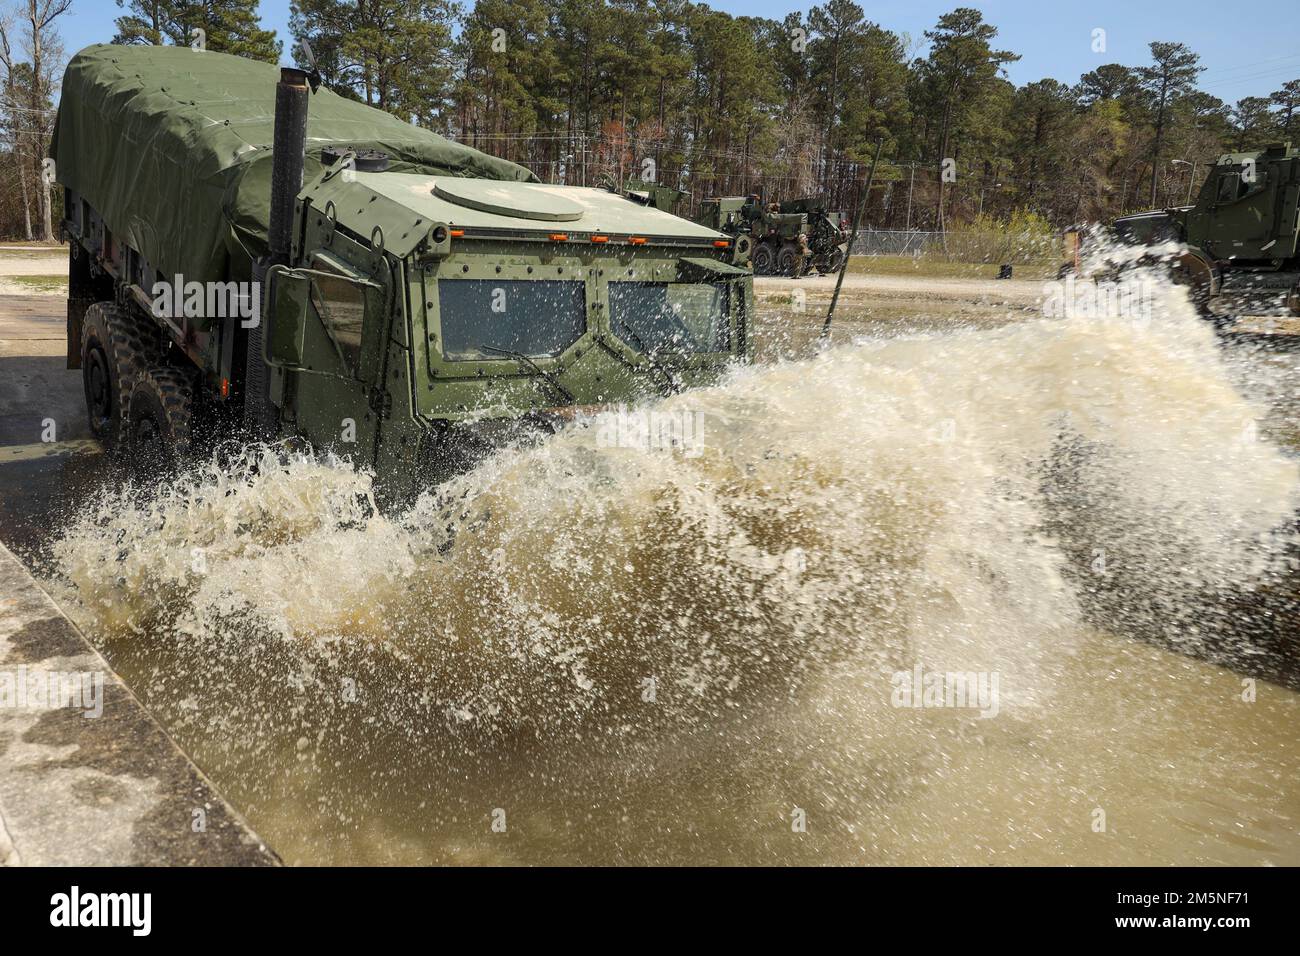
1229	184
341	304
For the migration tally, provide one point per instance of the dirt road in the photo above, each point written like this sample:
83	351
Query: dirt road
1018	291
38	266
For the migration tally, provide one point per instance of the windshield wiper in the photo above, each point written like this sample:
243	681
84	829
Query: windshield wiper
546	376
674	383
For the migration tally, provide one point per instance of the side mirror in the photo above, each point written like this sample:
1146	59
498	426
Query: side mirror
288	294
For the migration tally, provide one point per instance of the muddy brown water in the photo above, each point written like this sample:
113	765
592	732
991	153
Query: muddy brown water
627	656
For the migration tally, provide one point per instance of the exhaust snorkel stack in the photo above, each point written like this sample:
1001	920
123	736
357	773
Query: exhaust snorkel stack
290	138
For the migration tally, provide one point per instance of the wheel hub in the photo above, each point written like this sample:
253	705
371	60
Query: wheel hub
97	380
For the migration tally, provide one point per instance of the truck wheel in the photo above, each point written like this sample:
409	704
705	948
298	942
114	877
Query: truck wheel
789	261
1203	281
116	347
159	419
762	259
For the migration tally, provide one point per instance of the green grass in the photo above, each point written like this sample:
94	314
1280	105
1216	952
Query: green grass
926	267
18	246
52	283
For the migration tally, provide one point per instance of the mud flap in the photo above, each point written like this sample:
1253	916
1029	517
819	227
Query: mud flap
76	317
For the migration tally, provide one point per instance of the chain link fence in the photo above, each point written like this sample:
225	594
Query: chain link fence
991	246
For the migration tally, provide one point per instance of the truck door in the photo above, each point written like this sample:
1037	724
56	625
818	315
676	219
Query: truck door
1242	217
332	371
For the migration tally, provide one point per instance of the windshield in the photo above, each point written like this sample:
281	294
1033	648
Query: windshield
484	318
671	316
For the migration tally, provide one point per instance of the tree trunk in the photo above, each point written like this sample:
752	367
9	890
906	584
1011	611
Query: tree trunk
943	151
36	102
27	202
1159	141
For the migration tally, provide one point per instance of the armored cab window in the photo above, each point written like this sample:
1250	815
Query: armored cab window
341	304
490	318
671	316
1232	187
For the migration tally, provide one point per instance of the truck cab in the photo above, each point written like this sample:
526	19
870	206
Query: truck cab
436	314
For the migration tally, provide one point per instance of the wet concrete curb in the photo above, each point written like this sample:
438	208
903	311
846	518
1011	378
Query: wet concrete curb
108	789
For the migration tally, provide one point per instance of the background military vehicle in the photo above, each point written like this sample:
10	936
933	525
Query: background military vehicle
664	198
1241	234
415	296
779	243
789	239
828	233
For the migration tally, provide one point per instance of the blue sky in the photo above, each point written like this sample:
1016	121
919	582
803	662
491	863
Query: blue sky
1053	38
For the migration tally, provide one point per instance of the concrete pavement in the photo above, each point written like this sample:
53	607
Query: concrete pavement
111	788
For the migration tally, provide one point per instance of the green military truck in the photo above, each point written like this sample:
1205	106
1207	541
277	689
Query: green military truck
249	250
791	238
664	198
777	242
828	233
1240	235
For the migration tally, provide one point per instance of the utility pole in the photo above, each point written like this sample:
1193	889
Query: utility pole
825	336
1191	177
910	182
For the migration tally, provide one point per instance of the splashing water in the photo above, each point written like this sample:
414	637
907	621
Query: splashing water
948	502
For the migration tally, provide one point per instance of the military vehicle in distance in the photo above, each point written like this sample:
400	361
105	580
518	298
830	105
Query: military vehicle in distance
1241	235
663	198
828	233
249	249
790	239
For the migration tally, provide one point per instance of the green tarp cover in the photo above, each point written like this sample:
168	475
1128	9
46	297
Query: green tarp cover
172	147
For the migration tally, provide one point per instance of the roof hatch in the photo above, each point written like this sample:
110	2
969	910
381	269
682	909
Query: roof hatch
518	200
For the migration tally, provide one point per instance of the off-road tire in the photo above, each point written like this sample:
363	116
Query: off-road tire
1203	282
789	262
763	259
117	347
160	420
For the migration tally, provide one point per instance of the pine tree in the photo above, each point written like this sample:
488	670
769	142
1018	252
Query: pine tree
229	26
